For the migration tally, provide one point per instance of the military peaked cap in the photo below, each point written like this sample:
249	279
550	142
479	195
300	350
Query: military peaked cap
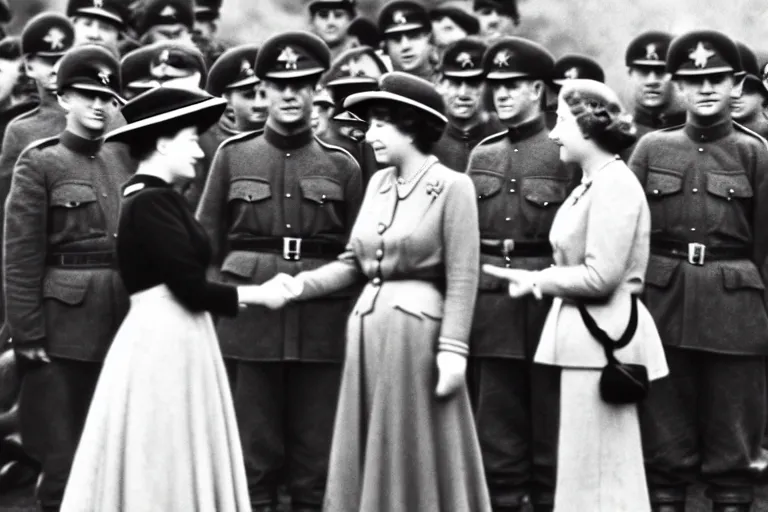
234	69
460	17
292	55
207	10
365	31
168	12
649	49
573	66
113	11
348	75
134	68
464	58
348	5
750	69
703	52
89	67
49	34
515	57
403	16
172	59
503	7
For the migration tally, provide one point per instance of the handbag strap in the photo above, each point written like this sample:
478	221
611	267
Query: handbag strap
602	337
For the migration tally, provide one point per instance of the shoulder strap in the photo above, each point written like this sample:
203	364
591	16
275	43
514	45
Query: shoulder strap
602	337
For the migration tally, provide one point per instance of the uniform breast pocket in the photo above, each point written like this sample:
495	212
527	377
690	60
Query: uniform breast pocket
663	188
490	200
729	198
75	213
250	206
543	196
322	207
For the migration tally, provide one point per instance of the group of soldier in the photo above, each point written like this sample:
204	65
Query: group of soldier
278	190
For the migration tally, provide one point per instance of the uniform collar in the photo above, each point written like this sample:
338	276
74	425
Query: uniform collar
473	132
658	119
711	132
527	129
78	144
281	141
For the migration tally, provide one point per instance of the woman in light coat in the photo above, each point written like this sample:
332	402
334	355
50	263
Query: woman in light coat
601	239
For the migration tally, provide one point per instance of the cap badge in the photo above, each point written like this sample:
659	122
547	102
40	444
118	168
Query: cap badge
353	68
168	12
700	56
398	17
289	57
246	68
571	74
464	59
651	53
98	4
55	38
164	57
105	76
501	59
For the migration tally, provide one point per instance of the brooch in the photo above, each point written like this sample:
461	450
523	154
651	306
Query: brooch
434	188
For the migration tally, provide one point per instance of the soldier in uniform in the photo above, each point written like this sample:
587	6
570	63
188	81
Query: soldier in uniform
520	184
134	70
10	74
292	211
449	24
497	17
167	20
407	32
463	89
65	299
97	21
748	108
705	285
207	13
330	19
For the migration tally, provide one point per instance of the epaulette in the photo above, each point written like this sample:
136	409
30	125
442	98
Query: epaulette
493	138
40	144
746	130
132	189
334	148
241	136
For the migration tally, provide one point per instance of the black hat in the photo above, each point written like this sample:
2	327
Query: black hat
168	12
750	70
400	87
365	31
515	57
167	104
649	50
207	10
703	52
292	55
134	68
173	59
348	5
345	77
503	7
234	69
113	11
10	48
570	67
460	17
464	58
89	67
49	34
403	16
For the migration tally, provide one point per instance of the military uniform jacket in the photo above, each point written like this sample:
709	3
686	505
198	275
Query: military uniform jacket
361	151
520	183
647	122
272	186
709	186
455	145
64	198
758	124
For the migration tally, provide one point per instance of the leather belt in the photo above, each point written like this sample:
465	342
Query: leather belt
292	249
696	253
81	259
508	248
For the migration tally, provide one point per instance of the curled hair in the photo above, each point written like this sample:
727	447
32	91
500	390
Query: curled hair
602	120
425	129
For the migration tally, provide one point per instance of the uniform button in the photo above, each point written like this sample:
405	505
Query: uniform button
515	150
288	194
656	191
92	157
511	191
381	228
287	154
114	235
104	194
701	150
731	191
695	191
288	226
508	219
546	203
379	253
513	180
693	229
376	281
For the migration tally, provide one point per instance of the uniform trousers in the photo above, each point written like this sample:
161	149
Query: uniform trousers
285	413
53	406
516	405
704	421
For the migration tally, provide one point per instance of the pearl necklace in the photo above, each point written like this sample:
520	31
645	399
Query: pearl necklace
422	170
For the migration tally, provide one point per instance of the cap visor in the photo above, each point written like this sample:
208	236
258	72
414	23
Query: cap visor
97	88
648	63
706	71
352	80
469	73
361	97
252	80
203	115
298	73
101	13
405	27
506	75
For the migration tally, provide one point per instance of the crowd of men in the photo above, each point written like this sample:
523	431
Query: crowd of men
278	189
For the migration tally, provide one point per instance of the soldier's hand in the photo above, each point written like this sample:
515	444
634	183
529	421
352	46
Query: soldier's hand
31	356
521	282
451	368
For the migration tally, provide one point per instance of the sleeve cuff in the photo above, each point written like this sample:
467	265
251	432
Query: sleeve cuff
451	345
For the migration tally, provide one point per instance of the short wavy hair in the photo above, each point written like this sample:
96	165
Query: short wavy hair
599	114
426	130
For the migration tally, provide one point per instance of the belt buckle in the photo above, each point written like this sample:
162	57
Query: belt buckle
696	253
291	248
507	246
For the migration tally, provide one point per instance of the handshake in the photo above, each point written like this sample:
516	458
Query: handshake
274	294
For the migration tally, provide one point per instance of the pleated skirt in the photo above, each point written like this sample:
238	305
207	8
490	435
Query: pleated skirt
161	433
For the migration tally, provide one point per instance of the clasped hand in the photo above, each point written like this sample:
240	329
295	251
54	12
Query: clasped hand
521	282
273	294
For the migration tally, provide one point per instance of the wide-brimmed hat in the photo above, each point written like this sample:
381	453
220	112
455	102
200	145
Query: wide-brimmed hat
154	108
399	87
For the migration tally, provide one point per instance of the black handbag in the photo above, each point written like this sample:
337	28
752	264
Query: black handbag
620	383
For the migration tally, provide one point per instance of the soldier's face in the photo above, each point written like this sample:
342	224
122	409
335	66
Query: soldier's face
321	114
652	87
492	24
462	96
516	100
568	135
290	101
389	144
43	71
748	105
331	25
205	29
10	71
409	51
89	110
446	31
181	152
706	95
95	30
249	107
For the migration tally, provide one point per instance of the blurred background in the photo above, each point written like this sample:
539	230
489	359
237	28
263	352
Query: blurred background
599	28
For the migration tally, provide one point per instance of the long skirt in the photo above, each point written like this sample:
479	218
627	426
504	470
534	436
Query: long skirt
600	456
161	433
396	447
